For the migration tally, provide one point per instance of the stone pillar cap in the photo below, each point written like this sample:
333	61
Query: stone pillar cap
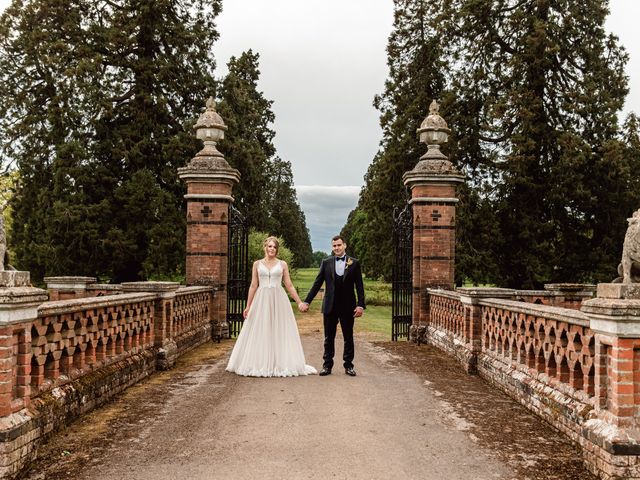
614	317
209	169
619	290
69	282
429	171
20	304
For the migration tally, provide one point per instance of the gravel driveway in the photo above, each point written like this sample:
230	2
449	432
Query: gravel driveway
199	422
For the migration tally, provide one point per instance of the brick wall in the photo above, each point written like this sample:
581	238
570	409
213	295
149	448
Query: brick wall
77	354
551	360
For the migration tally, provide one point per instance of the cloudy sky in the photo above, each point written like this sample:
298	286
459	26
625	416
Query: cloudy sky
322	62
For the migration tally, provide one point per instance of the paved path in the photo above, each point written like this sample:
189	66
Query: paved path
205	423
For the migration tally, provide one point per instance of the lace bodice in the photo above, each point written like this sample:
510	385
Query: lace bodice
269	278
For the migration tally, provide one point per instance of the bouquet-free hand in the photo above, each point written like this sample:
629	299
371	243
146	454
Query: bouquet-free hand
358	312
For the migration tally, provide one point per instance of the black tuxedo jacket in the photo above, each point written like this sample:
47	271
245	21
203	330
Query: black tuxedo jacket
351	284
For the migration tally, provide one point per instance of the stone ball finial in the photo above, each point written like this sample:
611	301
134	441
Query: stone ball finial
433	128
433	164
210	118
210	129
210	162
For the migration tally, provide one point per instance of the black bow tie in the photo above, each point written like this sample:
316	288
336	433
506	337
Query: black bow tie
340	259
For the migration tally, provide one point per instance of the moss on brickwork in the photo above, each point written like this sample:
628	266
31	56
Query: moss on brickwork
54	409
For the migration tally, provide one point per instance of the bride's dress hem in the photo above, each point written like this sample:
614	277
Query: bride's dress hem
309	370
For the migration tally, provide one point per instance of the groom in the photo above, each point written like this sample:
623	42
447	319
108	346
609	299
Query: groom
341	275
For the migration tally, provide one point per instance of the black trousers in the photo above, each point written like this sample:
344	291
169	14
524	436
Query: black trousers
330	327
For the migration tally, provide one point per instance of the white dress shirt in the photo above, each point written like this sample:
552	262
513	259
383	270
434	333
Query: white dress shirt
340	266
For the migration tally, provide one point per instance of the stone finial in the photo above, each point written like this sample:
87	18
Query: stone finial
629	268
434	122
210	129
433	132
209	161
210	118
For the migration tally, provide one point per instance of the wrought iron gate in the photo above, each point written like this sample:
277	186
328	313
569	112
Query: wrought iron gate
238	270
402	281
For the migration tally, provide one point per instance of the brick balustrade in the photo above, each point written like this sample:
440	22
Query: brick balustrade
72	355
578	369
191	309
554	345
70	338
447	314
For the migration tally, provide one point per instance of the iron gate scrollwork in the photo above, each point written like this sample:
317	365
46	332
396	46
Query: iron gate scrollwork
402	280
238	270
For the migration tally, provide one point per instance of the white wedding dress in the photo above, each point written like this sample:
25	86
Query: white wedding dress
269	343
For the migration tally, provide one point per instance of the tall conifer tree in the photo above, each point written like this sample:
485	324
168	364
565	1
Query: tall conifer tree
537	87
96	100
532	92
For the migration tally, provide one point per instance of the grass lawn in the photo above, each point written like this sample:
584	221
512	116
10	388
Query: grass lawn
375	322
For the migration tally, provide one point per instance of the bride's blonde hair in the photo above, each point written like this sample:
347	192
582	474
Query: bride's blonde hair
271	239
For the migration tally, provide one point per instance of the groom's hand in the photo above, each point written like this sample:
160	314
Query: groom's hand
303	307
358	312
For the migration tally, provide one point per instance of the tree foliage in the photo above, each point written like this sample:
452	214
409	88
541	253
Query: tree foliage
532	92
95	103
318	257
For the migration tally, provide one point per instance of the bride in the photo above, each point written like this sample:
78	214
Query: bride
269	343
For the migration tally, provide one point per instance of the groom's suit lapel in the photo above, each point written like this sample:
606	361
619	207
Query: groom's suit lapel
332	268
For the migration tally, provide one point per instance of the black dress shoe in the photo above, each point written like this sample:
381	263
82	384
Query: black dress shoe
325	371
350	371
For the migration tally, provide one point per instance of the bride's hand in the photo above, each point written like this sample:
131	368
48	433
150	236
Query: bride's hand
245	312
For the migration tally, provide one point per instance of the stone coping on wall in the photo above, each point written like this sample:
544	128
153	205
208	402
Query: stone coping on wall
552	313
79	304
183	290
583	288
536	293
551	290
105	286
150	286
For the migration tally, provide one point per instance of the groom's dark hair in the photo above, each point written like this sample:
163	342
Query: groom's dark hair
338	237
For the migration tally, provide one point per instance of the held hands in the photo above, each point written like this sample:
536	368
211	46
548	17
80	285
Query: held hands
303	307
358	312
